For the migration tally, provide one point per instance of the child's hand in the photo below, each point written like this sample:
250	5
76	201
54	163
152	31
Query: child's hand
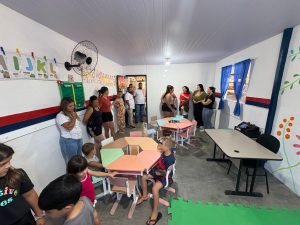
112	174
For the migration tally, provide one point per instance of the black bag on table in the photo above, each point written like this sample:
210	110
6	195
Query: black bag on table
250	130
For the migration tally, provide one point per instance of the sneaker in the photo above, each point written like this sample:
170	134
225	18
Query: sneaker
131	126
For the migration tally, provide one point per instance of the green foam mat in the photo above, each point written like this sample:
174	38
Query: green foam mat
190	213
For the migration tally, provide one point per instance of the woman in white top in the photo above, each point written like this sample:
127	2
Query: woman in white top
70	132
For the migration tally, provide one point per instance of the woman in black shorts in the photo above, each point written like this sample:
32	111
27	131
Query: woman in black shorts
93	120
107	117
168	100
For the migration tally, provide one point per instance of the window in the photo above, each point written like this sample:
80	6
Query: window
230	91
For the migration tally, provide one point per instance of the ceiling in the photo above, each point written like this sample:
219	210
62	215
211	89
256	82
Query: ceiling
133	32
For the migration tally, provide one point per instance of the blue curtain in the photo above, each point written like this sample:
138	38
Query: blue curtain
226	71
240	75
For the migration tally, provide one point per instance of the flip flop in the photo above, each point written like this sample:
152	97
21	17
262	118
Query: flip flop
159	216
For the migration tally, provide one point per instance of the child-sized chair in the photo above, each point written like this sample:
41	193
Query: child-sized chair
188	134
153	122
136	133
124	185
97	181
167	187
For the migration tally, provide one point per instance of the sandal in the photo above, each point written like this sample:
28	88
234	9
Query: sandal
153	222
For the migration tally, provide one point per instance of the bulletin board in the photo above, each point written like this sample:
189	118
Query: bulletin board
74	91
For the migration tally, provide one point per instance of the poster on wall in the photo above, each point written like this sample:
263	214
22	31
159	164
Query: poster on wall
14	65
28	67
52	69
41	69
73	90
10	66
100	77
121	83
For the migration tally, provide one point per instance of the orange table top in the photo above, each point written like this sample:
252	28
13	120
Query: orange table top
148	158
146	143
120	143
135	164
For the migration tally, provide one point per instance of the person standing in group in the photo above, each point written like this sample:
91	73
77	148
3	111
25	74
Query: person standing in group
140	98
93	120
208	104
17	194
107	117
168	100
198	96
68	123
184	98
129	102
119	104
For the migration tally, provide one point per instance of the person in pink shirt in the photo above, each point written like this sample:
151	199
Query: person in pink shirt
78	166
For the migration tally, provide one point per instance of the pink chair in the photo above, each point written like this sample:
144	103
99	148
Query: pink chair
136	134
188	134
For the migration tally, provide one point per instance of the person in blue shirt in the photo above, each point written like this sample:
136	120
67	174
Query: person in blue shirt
159	175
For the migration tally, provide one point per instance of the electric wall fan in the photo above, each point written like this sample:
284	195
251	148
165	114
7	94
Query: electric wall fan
84	58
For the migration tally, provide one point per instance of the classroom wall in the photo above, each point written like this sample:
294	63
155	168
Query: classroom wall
265	56
286	125
177	75
37	148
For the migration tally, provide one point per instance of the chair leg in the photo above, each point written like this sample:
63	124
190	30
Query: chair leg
230	164
247	179
267	182
116	204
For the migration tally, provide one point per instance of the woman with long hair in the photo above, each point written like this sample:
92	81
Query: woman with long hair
198	96
168	100
93	120
17	194
184	99
107	117
68	123
208	104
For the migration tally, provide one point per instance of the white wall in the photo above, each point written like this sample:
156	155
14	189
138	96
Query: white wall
288	170
38	152
265	55
177	75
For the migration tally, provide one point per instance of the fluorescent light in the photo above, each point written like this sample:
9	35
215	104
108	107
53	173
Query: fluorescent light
167	61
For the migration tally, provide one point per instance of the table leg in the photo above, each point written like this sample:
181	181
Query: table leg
214	156
244	193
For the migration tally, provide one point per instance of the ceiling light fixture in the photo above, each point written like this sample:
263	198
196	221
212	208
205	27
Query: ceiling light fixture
167	61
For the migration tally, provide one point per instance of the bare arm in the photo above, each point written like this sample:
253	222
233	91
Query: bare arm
95	164
31	198
101	174
207	102
71	124
87	115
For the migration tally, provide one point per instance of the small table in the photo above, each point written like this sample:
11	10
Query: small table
108	155
146	143
236	145
135	164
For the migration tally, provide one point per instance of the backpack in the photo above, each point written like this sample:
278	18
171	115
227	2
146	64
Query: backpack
250	130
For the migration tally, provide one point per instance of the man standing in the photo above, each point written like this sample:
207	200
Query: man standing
129	101
139	103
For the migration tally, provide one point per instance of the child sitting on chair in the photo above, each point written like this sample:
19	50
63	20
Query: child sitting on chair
89	152
61	199
158	174
78	166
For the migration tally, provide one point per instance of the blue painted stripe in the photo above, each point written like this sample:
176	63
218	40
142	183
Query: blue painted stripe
27	123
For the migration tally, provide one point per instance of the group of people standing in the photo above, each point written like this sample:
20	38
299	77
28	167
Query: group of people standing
203	103
98	114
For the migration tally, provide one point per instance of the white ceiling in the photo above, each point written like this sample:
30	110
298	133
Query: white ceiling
132	32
